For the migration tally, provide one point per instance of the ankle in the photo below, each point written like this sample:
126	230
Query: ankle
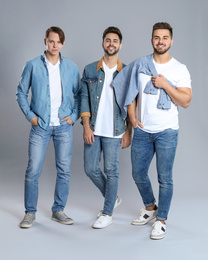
150	208
162	221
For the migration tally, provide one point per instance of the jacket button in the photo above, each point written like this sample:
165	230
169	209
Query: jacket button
93	113
100	80
97	97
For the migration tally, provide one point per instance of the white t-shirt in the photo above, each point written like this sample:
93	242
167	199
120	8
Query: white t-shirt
153	119
55	91
104	124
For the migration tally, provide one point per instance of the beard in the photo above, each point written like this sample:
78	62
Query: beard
111	53
162	51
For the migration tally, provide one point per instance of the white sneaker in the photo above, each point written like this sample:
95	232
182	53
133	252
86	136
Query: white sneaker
158	231
145	216
117	203
103	221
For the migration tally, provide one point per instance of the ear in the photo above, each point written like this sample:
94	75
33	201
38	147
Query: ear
121	45
171	42
63	43
103	45
45	41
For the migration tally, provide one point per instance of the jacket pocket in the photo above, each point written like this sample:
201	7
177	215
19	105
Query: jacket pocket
91	83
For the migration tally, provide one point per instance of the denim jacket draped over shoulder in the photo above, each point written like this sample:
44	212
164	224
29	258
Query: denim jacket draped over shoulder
35	76
91	90
126	85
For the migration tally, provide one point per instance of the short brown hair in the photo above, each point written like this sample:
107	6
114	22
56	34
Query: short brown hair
113	29
57	30
162	26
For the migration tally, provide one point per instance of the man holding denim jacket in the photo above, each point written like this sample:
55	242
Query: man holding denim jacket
104	129
54	83
155	86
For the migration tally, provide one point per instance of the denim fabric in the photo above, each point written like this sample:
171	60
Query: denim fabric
35	76
38	142
107	183
91	89
144	146
126	84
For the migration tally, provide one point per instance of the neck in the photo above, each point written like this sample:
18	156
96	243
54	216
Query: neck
161	58
52	58
110	61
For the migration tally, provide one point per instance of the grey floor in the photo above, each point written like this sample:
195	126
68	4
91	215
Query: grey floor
186	227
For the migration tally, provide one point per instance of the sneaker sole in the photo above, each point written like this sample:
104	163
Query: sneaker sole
26	225
157	237
135	223
100	227
62	222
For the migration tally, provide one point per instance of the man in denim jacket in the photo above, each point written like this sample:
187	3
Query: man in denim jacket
104	128
157	84
54	83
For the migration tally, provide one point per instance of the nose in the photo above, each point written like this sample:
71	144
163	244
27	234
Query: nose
160	40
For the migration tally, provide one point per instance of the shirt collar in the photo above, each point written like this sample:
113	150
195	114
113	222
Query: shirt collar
43	56
119	65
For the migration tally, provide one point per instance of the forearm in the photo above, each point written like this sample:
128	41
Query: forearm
132	112
86	122
179	96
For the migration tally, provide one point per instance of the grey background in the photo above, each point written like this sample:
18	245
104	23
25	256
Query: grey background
22	27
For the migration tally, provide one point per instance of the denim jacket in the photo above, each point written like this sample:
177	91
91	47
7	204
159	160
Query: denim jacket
35	76
91	89
126	85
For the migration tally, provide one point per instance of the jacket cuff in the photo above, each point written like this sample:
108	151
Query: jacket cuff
30	116
85	114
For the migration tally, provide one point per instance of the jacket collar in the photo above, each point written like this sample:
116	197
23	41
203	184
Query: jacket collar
43	56
119	65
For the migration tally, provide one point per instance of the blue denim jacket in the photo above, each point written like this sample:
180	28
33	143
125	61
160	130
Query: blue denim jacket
126	85
35	76
91	89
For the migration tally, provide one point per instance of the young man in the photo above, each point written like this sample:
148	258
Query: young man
104	128
54	83
163	84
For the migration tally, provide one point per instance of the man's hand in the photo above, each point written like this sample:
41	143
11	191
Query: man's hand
88	135
159	81
126	139
34	121
68	120
135	123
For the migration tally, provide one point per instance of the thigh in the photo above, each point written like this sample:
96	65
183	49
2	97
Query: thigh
63	141
165	146
111	150
142	151
38	142
92	155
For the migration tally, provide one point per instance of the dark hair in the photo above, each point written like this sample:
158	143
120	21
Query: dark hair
113	29
162	26
57	30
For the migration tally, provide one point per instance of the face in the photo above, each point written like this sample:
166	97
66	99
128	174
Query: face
161	41
111	44
53	44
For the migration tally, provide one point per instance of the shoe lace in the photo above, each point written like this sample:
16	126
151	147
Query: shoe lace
142	212
157	225
28	216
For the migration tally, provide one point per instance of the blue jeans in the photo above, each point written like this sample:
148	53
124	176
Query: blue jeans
38	141
144	145
107	183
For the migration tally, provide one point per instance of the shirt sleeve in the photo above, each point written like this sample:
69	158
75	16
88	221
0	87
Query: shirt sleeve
23	90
